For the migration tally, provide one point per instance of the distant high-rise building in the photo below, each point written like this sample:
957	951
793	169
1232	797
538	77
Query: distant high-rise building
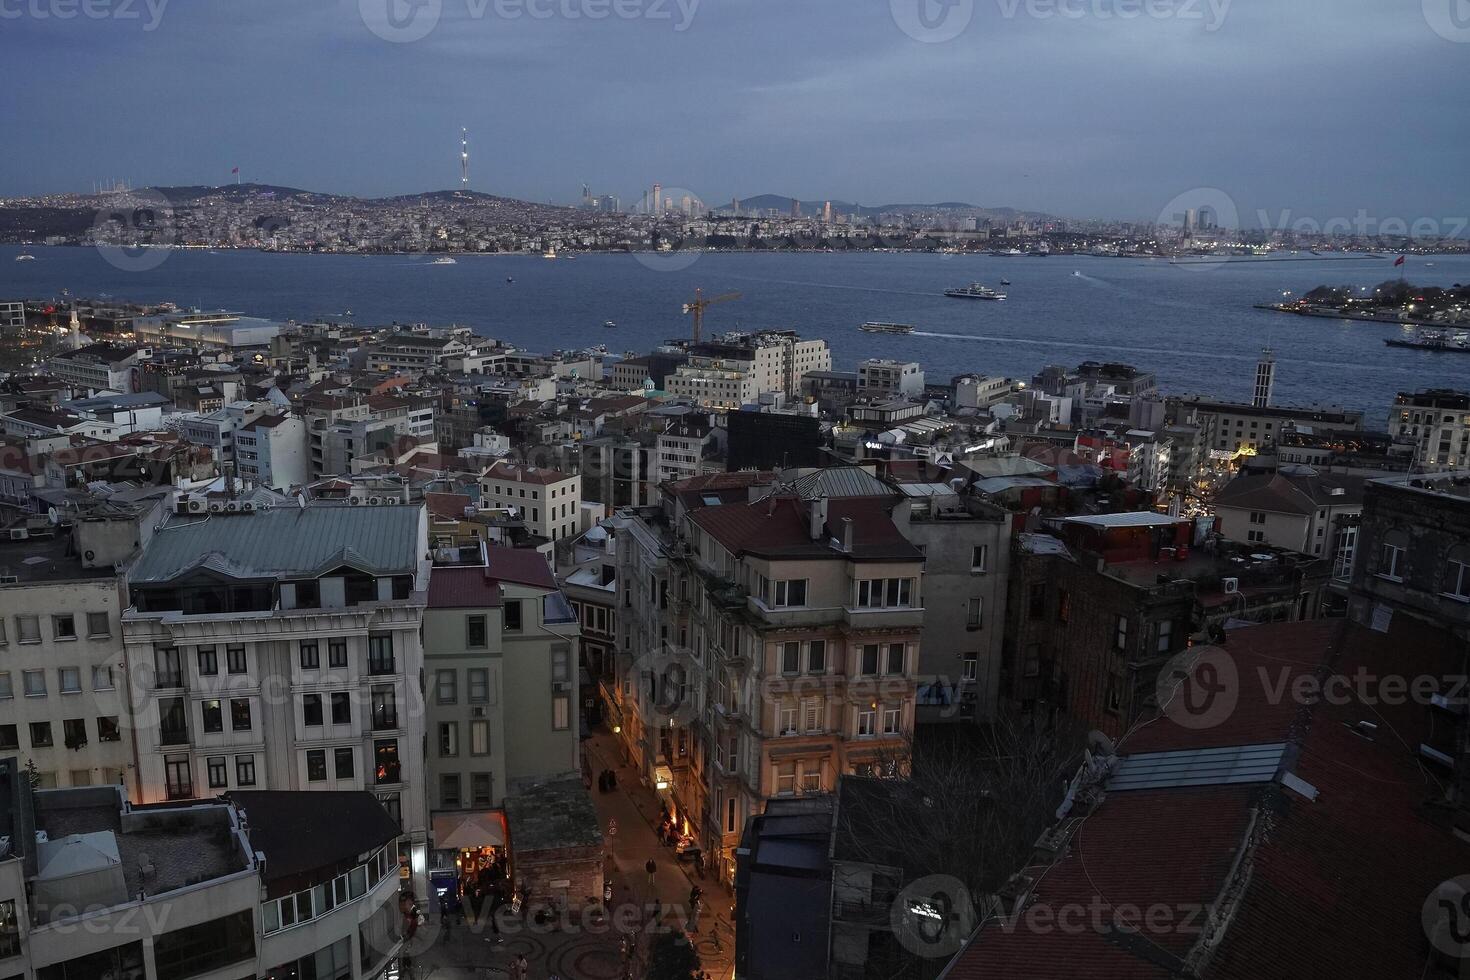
658	197
827	212
1265	379
735	206
795	208
686	204
1190	220
464	158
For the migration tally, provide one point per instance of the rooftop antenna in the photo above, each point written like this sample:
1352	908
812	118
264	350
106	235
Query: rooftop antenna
464	159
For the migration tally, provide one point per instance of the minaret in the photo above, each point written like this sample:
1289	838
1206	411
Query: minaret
464	159
76	330
1265	379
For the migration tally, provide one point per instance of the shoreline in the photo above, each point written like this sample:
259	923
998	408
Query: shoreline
1395	320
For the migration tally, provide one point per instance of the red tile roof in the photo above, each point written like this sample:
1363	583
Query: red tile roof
463	588
448	506
780	527
520	565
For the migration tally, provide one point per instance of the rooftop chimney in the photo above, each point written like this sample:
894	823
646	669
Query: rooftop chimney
817	510
847	535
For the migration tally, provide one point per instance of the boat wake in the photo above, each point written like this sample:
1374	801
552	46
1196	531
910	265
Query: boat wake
832	285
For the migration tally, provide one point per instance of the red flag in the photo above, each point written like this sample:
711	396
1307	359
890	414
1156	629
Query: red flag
1398	261
235	171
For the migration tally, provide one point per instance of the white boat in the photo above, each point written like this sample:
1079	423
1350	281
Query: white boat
25	258
974	290
608	323
880	327
550	253
445	260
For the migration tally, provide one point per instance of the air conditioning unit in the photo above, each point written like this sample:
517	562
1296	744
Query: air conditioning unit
375	501
248	507
232	507
1231	585
19	534
197	506
354	501
216	508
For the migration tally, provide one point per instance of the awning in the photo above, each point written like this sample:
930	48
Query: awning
456	831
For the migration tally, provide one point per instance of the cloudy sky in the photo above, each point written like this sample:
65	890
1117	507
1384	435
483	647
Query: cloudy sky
1089	108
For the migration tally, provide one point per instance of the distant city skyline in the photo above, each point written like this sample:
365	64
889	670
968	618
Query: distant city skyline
820	102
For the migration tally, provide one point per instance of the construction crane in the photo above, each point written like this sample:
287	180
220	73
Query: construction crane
700	304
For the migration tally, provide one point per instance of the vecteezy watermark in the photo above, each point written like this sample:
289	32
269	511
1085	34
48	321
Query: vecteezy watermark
1199	688
933	916
670	248
1450	19
932	21
1193	220
150	12
1364	225
405	21
1446	917
936	21
136	230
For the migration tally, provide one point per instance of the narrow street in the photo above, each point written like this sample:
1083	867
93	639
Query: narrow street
590	950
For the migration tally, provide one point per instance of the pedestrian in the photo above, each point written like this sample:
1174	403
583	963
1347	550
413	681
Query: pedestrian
694	908
520	969
445	918
650	867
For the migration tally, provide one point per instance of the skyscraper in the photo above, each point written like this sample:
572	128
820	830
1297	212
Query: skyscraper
1265	379
658	199
827	213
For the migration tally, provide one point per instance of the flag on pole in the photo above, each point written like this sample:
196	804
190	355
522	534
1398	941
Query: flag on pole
1398	261
235	171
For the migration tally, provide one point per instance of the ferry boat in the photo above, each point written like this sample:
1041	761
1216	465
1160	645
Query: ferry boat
445	260
609	324
550	253
25	258
1458	342
879	327
974	290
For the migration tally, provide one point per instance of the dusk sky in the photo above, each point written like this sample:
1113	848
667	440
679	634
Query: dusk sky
1312	107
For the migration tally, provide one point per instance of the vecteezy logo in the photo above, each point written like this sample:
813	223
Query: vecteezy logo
1199	688
135	230
672	248
932	21
932	916
1450	19
1446	917
401	21
1196	218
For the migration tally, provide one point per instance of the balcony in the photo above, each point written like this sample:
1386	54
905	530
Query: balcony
883	617
792	616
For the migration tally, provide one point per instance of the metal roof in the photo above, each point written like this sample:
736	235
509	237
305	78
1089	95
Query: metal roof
285	541
1198	767
1131	519
841	481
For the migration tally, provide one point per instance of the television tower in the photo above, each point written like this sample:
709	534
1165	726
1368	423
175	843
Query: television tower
464	159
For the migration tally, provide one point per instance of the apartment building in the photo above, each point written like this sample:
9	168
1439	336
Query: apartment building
548	500
99	367
261	884
1294	508
63	690
780	637
414	353
217	429
737	369
687	448
1237	428
502	688
281	649
271	451
883	377
1437	423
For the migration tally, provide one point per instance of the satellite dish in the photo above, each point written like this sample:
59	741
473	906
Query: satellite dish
52	515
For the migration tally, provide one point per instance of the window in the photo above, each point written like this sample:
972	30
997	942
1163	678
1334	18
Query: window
179	784
337	654
1120	634
869	659
169	673
310	657
786	779
74	732
69	680
215	767
207	660
561	664
35	682
786	719
99	624
235	660
316	765
790	593
384	707
811	777
1391	556
1166	635
64	626
895	658
6	690
512	615
385	756
882	593
205	948
28	629
480	789
342	763
448	739
446	683
477	680
1036	600
240	714
9	931
245	770
311	710
449	789
1064	606
890	721
9	737
476	633
1457	574
107	729
214	719
561	710
866	721
1258	517
811	715
380	653
790	658
980	558
970	665
975	616
341	708
479	737
816	657
173	721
